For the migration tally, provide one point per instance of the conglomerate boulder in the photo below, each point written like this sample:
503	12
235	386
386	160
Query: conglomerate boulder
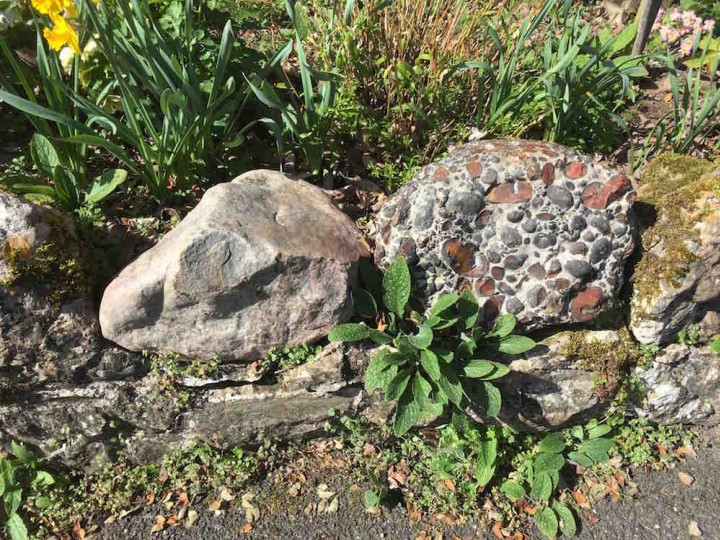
533	229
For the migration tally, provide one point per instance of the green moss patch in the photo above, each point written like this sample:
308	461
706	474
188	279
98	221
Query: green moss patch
53	265
672	185
610	358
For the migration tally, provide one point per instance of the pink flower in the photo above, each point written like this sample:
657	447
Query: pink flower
708	25
664	34
686	47
673	35
675	14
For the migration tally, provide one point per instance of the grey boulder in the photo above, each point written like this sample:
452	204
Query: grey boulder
683	386
261	262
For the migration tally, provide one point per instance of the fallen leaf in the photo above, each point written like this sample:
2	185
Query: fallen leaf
694	530
149	498
685	478
78	531
667	97
497	530
247	528
369	450
172	520
578	497
449	484
183	499
159	525
192	518
225	495
324	492
294	490
423	535
333	506
685	451
216	505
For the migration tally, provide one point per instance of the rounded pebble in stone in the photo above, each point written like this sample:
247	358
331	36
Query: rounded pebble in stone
578	268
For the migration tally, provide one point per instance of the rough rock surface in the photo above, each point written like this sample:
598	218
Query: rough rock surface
86	425
677	282
48	328
547	390
261	262
683	386
534	229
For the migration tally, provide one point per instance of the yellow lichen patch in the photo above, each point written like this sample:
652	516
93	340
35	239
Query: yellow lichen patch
674	186
609	354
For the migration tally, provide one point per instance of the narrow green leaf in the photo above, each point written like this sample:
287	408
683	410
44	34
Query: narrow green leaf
397	385
379	337
478	369
547	522
443	303
43	154
12	499
421	391
16	528
364	303
504	326
406	414
104	185
381	370
598	431
580	459
371	279
396	285
23	455
487	396
468	309
450	385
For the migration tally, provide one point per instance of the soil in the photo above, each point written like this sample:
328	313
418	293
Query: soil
663	509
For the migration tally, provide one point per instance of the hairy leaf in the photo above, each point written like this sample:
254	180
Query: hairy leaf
542	486
423	338
547	522
349	332
430	364
513	490
568	525
554	443
516	345
397	386
396	285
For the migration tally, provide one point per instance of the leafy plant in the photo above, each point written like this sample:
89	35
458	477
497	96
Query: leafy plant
304	115
170	117
715	345
429	363
553	73
66	188
18	475
463	446
695	105
538	476
690	336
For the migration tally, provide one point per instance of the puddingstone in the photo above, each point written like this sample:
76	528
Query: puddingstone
531	228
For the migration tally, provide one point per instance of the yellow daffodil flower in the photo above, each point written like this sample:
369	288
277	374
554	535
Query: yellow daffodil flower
62	34
49	7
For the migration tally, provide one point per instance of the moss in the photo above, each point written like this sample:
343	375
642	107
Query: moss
672	185
170	368
610	358
54	265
